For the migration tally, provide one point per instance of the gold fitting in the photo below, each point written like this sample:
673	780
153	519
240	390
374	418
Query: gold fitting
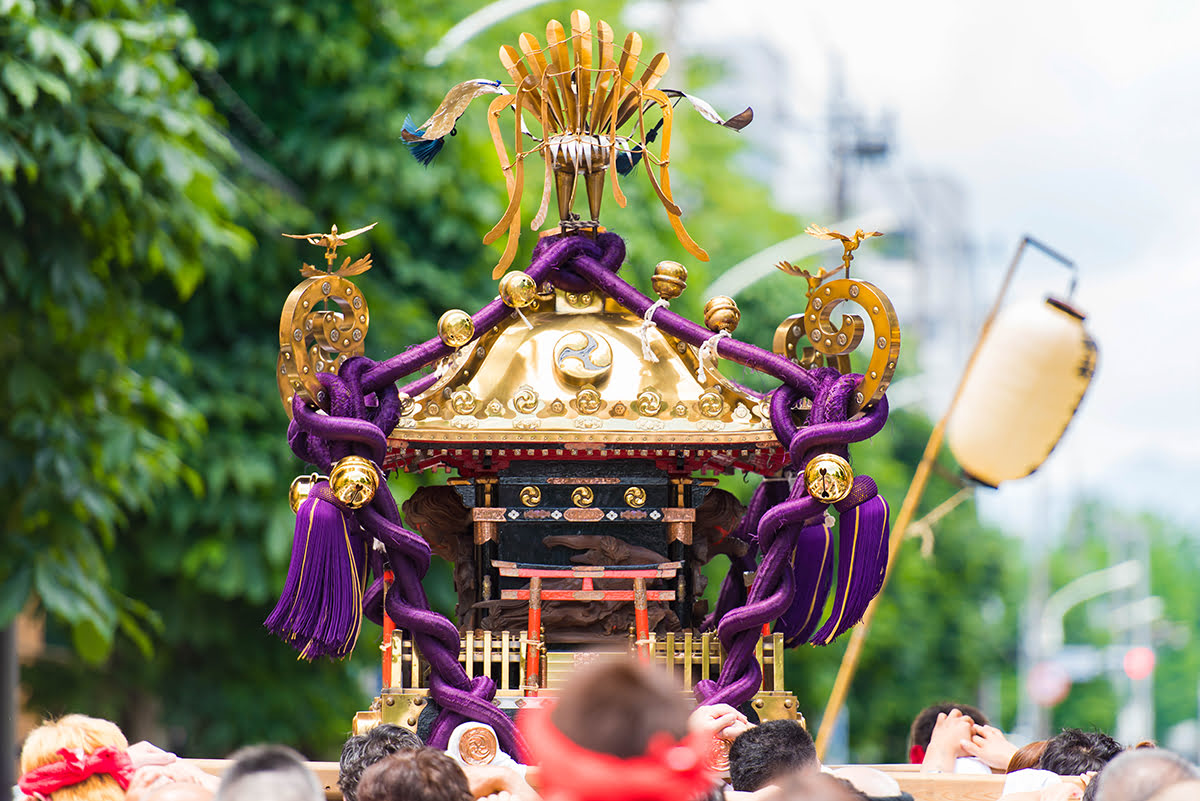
828	478
455	328
635	497
582	496
669	280
301	486
518	290
530	496
354	481
721	314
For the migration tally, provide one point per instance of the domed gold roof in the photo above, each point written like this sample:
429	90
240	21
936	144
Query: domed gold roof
576	378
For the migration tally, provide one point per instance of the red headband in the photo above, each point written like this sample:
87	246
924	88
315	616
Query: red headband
669	770
75	767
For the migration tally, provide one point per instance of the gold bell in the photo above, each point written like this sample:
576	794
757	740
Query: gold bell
828	478
354	481
721	314
456	328
669	280
518	289
301	486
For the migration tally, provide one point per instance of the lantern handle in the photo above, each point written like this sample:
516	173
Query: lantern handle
1053	254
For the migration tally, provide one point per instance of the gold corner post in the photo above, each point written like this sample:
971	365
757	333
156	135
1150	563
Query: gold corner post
908	508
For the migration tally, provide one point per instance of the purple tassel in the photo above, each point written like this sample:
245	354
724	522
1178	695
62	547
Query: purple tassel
320	610
812	571
862	558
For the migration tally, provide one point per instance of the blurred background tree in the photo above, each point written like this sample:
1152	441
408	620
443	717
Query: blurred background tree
150	155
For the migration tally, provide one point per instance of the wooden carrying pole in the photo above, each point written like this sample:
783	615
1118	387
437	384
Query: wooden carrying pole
841	684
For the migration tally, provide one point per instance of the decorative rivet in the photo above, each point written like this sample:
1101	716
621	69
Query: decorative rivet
881	342
818	304
854	290
325	288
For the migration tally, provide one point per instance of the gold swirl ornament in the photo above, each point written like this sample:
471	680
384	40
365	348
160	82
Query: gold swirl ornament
530	496
323	323
635	497
478	746
582	496
841	341
581	357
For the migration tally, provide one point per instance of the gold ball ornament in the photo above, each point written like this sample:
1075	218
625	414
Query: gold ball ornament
518	290
354	481
669	280
721	314
456	328
828	478
301	487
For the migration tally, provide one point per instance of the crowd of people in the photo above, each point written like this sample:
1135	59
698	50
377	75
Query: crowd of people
618	732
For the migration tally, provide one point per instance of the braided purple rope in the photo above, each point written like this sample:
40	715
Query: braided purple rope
782	527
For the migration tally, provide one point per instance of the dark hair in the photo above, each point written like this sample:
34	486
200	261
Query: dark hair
1075	751
926	719
422	775
268	771
1027	756
361	751
616	707
768	752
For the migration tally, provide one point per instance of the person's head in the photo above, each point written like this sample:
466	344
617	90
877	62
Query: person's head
268	773
1027	756
1074	752
103	747
616	707
619	730
361	751
174	781
926	719
1182	791
813	785
769	752
422	775
1138	775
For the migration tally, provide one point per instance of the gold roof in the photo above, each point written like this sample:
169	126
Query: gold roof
576	374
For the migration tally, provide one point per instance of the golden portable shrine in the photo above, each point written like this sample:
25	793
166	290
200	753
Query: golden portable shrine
583	424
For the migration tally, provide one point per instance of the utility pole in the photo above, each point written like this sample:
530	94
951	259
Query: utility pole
851	141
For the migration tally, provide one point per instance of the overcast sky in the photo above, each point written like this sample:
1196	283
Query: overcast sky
1078	123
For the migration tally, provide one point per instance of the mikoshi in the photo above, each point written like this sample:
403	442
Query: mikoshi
582	423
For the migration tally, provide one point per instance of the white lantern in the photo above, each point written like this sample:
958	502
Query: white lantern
1027	381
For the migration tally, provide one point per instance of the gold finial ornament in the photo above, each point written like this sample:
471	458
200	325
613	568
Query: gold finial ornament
828	478
354	481
721	314
455	328
301	487
518	290
600	111
669	280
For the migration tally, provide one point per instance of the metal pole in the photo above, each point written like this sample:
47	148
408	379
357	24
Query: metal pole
841	684
9	679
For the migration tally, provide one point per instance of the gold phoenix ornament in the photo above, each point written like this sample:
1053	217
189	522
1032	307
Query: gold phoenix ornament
592	107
